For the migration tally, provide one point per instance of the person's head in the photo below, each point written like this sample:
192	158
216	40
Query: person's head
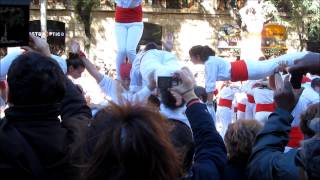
239	139
34	79
151	45
134	144
315	84
154	102
201	93
171	101
75	66
311	114
182	139
308	157
200	54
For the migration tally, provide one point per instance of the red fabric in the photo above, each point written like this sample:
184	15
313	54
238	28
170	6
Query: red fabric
225	102
241	107
296	136
305	79
250	99
125	71
128	15
215	92
3	85
82	54
239	71
265	107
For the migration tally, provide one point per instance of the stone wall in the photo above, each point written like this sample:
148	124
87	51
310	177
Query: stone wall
189	28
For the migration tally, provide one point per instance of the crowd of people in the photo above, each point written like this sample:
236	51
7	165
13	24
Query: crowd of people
154	121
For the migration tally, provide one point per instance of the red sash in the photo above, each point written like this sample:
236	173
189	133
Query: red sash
239	71
296	136
250	99
128	15
225	103
265	107
241	107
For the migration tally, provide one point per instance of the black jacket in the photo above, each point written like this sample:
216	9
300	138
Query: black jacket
268	160
36	144
210	153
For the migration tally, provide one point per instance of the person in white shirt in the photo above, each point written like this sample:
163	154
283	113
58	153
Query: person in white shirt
218	69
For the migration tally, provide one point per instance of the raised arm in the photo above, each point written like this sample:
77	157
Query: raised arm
268	157
210	152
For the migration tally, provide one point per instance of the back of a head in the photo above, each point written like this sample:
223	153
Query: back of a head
34	79
151	45
239	139
202	51
201	93
169	101
182	139
74	61
309	152
134	144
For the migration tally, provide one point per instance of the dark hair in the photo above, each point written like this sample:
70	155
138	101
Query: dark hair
169	100
74	61
151	45
34	79
312	112
239	139
201	93
315	82
182	139
134	144
154	100
203	51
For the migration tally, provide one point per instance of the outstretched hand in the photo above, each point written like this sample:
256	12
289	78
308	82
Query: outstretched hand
186	87
37	44
75	46
310	63
285	97
168	42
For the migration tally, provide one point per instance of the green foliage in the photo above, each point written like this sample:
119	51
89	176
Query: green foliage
304	14
83	9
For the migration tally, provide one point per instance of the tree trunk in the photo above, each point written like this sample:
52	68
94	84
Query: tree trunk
43	18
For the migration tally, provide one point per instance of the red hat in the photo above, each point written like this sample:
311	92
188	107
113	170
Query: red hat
305	79
125	69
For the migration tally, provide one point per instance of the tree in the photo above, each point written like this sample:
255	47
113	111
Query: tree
83	9
43	18
304	16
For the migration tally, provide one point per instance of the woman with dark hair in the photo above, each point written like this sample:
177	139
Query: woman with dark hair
75	66
219	69
131	142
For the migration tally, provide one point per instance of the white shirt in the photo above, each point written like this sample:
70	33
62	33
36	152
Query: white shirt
177	114
128	3
263	96
112	89
216	69
227	93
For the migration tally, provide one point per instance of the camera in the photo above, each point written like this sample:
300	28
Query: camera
14	23
165	82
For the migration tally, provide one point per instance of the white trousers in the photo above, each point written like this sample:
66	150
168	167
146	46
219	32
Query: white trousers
223	119
128	36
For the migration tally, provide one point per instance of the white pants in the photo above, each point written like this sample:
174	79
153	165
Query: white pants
163	63
262	116
128	36
250	109
223	119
